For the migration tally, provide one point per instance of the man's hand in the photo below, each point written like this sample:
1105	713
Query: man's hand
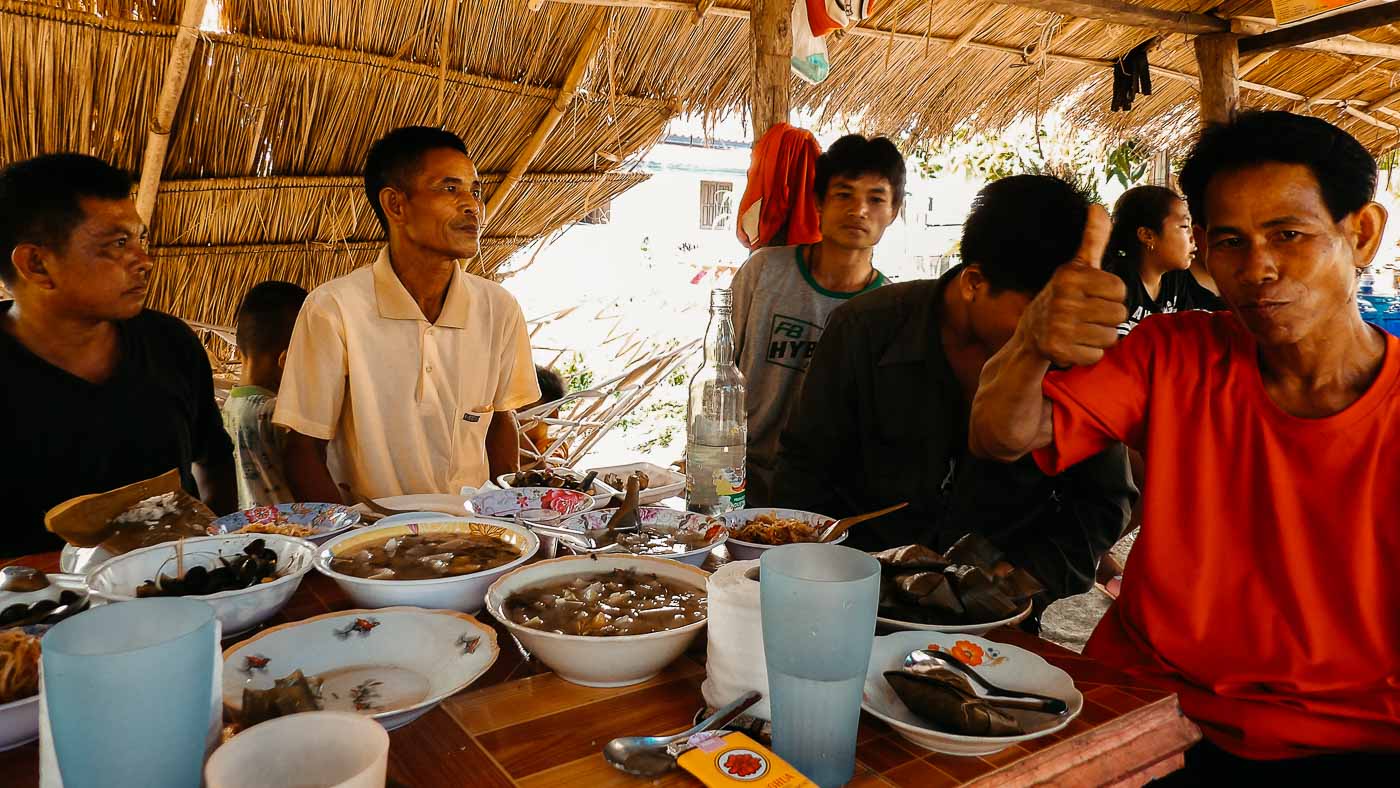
1075	317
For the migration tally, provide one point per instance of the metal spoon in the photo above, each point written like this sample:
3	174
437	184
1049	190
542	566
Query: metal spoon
649	756
1032	701
588	540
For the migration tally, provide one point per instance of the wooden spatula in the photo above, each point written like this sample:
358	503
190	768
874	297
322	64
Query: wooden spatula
841	526
86	521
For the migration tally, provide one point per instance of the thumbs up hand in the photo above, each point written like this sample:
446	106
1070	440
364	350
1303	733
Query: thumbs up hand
1075	317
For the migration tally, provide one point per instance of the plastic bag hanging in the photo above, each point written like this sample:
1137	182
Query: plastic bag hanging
810	61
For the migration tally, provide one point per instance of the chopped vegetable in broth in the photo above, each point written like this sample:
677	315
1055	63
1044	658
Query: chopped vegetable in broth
426	556
620	602
658	540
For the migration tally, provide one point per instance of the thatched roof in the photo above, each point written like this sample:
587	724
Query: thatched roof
261	176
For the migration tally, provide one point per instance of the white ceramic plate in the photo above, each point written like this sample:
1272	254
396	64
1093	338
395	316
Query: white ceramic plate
455	505
963	629
1004	665
394	664
663	483
505	503
19	719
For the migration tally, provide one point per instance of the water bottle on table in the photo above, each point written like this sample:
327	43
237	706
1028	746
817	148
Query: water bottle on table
716	421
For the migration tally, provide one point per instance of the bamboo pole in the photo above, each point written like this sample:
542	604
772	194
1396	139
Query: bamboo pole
172	87
449	9
973	28
591	43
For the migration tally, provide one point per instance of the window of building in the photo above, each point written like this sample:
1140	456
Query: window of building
716	205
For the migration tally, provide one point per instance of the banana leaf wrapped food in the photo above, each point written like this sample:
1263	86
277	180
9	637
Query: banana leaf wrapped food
969	584
944	699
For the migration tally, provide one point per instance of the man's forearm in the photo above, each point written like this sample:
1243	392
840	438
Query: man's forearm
503	443
305	461
1010	415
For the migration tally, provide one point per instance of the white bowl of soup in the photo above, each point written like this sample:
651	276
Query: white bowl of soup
621	638
434	563
664	533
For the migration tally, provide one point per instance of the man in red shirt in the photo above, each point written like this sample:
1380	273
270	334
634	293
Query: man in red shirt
1263	589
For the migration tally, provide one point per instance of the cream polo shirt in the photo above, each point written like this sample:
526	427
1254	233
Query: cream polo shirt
405	403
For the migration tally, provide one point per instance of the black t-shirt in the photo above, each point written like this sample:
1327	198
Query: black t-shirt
1180	292
66	437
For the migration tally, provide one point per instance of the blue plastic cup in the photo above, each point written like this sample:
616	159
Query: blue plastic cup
129	693
818	605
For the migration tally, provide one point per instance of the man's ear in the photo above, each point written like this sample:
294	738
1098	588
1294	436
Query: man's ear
31	263
970	281
394	203
1364	230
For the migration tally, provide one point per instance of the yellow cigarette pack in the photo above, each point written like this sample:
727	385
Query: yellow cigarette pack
736	760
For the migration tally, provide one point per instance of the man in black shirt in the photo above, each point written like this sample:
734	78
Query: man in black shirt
884	410
98	392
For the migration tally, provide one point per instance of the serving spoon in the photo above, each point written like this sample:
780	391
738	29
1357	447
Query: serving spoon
650	756
844	524
1004	697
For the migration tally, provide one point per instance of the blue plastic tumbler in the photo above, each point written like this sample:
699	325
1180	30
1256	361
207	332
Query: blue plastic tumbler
129	691
818	605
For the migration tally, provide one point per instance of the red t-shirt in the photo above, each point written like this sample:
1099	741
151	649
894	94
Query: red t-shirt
1264	588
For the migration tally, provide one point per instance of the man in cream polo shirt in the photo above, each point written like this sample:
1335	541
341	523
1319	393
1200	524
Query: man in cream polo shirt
402	377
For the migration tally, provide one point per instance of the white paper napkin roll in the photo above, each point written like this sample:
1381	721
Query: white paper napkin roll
734	662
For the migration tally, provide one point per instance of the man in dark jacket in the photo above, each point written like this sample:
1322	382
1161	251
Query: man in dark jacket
884	411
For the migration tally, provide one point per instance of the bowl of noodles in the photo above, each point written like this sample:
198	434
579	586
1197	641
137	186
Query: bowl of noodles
19	685
753	531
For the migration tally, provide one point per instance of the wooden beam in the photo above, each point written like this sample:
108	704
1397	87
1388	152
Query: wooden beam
770	88
1218	60
592	42
973	28
1255	62
1342	45
702	8
1327	27
1120	13
172	88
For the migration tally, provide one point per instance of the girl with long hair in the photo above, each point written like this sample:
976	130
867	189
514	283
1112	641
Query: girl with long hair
1151	250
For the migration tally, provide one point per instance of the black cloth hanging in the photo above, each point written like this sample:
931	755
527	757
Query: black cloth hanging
1131	76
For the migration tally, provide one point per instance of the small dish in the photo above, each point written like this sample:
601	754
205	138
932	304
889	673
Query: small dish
740	550
661	519
1004	665
327	520
663	483
960	629
19	719
602	493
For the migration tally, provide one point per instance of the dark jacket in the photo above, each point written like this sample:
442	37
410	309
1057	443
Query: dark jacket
882	419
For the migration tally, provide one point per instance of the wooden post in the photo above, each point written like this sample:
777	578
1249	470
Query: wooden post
770	92
1218	58
172	87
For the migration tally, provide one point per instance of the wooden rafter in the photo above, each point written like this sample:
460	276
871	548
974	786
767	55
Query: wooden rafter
702	8
1342	45
172	88
592	41
1122	13
973	28
1327	27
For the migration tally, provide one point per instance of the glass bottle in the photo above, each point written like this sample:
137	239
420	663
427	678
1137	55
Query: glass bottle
716	420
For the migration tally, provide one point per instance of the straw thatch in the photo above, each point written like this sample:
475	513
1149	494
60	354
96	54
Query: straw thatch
281	105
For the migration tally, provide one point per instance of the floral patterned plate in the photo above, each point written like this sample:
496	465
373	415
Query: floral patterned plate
662	519
999	663
325	519
505	503
393	664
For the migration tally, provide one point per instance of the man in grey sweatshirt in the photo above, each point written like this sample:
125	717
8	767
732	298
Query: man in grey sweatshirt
783	295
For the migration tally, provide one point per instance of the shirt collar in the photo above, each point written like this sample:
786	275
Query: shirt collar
395	303
921	327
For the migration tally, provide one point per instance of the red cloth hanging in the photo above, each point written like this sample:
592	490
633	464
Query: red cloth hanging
781	190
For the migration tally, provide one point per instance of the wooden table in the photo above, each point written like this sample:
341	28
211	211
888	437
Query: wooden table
520	725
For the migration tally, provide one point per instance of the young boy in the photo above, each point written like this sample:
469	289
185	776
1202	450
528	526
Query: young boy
265	321
536	436
783	295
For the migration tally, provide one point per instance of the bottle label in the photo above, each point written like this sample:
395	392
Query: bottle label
713	484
